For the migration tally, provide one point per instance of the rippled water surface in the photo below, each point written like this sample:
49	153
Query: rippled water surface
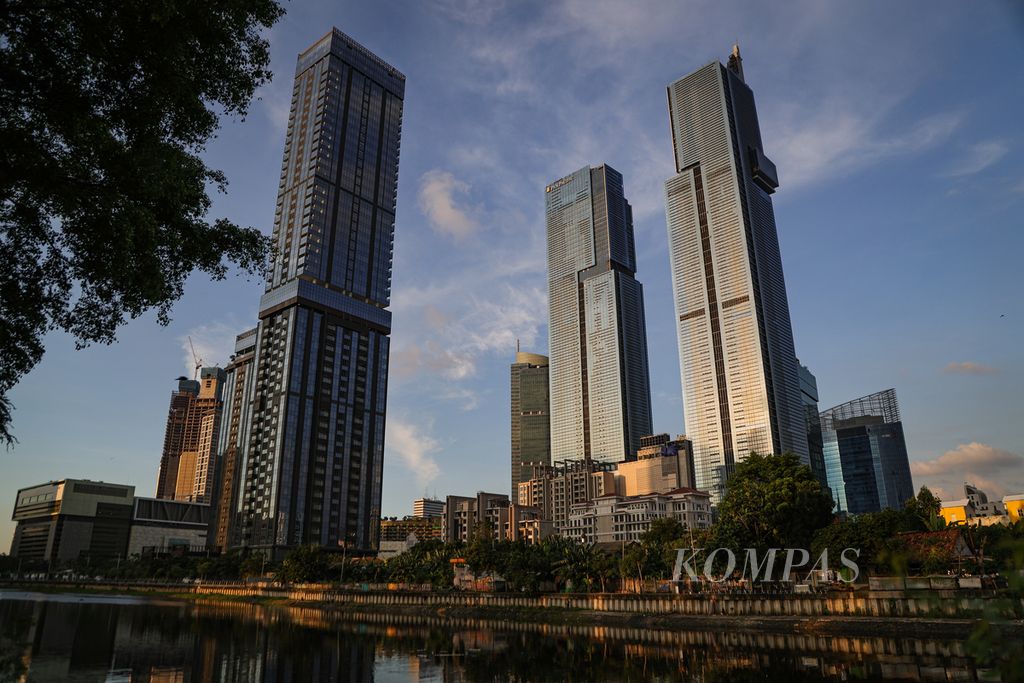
110	638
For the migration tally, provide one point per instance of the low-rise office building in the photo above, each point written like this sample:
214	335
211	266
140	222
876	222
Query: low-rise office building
72	519
75	520
427	507
161	526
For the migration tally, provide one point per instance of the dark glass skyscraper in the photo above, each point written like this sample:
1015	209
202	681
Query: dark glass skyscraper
809	394
866	455
312	472
741	388
531	416
600	387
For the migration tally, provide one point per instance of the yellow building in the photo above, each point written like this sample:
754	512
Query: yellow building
1014	507
977	509
955	512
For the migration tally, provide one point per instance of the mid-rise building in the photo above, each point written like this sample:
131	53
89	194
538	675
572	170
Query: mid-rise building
72	519
531	415
399	535
427	507
424	528
188	464
624	519
741	386
866	454
815	447
661	465
233	444
522	523
315	456
554	490
465	516
600	389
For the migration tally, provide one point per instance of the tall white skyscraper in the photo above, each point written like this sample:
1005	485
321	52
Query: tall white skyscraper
600	389
741	387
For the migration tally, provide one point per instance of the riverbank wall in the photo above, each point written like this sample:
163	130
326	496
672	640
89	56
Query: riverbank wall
928	604
902	603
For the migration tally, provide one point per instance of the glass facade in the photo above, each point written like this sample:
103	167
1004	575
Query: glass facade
312	471
600	386
741	388
815	447
531	416
866	454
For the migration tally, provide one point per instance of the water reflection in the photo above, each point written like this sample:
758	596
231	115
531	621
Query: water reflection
79	638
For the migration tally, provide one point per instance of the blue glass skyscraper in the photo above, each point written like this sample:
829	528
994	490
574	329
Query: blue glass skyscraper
866	454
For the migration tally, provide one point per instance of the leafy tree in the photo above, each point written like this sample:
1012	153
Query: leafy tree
606	569
771	501
871	533
922	512
107	107
304	564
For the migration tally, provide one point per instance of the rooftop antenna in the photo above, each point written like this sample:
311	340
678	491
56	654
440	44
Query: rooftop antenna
735	61
196	358
517	344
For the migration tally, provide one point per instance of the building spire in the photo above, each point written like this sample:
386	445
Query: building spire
735	61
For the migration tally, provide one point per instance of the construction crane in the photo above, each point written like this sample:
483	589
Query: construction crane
197	359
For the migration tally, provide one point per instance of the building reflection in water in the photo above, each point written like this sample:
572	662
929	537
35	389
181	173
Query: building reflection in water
78	638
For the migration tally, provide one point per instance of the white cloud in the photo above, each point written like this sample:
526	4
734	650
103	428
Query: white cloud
996	471
969	368
438	202
979	157
476	12
214	343
414	446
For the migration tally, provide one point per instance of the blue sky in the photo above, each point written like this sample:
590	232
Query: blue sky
896	131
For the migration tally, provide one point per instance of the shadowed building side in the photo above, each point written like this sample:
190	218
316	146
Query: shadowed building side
531	416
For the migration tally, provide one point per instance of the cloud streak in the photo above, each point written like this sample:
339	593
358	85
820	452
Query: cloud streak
969	368
979	157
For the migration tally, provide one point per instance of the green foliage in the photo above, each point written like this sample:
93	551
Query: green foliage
922	512
871	533
305	564
427	562
107	107
771	501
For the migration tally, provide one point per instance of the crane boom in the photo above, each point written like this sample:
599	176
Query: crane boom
195	357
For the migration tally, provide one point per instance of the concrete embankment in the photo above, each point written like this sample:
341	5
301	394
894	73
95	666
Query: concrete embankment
910	604
861	612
